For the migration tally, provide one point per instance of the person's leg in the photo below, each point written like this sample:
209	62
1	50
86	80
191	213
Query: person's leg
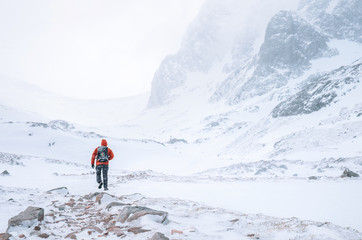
98	172
105	176
99	179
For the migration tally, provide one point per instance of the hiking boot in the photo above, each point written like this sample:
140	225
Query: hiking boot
100	185
105	189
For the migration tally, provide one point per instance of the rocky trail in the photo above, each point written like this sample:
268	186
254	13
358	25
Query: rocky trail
61	215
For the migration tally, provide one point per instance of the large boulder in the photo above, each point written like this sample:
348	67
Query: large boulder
27	218
131	213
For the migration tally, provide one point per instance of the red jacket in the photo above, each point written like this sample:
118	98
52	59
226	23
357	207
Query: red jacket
95	153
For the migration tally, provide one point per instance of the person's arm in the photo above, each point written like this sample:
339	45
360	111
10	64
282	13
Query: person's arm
95	152
110	154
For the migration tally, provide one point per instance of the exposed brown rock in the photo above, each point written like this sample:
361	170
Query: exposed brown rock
137	230
37	228
21	236
71	236
5	236
43	235
235	220
174	231
95	228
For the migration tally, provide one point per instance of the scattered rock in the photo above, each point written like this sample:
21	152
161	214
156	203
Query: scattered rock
5	173
349	173
70	203
313	178
138	212
71	236
37	228
176	140
27	218
116	230
174	231
21	236
5	236
61	208
60	190
95	228
159	236
43	235
137	230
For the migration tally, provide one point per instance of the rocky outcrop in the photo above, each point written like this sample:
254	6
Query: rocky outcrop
341	19
27	218
320	91
349	173
5	173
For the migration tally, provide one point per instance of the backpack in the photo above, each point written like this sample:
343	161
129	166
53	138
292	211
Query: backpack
102	154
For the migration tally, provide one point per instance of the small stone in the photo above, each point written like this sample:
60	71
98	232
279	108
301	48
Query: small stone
313	178
71	236
61	208
43	235
235	220
174	231
37	228
159	236
137	230
21	236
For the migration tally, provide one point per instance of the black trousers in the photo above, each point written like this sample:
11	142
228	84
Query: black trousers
99	169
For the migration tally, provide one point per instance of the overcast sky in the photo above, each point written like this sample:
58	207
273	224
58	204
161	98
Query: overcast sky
90	49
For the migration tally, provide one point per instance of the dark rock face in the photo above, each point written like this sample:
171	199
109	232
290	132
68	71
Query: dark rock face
138	212
343	20
320	91
26	218
289	45
349	173
290	40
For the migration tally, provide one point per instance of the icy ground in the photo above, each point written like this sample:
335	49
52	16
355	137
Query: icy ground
207	205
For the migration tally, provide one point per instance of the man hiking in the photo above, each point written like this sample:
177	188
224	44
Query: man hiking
103	155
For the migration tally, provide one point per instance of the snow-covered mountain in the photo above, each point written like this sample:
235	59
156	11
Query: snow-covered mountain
306	60
259	111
